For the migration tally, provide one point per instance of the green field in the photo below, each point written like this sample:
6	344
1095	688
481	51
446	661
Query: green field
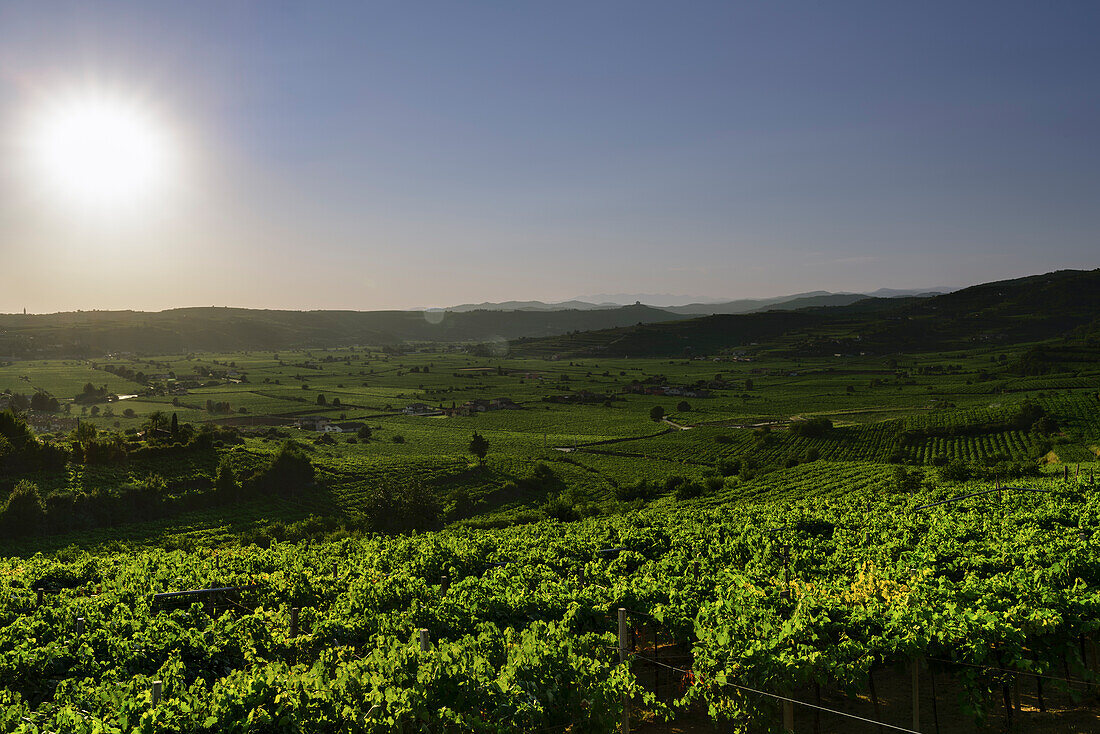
832	457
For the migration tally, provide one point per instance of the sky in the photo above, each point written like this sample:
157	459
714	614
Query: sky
365	155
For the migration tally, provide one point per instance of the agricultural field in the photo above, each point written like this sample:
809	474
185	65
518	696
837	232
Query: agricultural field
770	516
820	583
588	420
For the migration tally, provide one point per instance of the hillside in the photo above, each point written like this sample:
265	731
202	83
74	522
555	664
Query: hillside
94	333
1010	311
786	303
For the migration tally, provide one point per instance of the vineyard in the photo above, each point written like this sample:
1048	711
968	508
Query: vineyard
775	542
824	583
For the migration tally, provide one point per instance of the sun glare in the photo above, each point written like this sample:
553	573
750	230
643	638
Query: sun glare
98	151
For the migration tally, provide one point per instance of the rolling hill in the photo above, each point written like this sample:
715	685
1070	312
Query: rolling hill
1023	309
90	333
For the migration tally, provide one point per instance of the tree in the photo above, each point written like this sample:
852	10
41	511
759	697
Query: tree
748	384
175	425
656	413
84	432
24	510
226	481
815	427
683	406
155	420
290	470
364	433
44	402
479	447
321	399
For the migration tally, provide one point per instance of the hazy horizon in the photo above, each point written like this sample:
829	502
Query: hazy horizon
373	156
662	300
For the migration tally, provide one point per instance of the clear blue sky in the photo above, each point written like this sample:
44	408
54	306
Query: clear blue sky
366	154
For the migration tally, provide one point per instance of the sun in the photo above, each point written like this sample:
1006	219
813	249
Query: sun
99	151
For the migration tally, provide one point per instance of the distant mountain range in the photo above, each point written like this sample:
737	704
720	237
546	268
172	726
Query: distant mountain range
696	307
1034	308
888	321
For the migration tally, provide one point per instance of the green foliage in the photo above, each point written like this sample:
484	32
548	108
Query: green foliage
24	510
290	471
815	427
873	582
225	482
479	446
955	470
907	481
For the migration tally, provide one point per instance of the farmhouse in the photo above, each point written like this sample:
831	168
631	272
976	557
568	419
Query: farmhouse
49	423
481	405
648	388
312	423
420	409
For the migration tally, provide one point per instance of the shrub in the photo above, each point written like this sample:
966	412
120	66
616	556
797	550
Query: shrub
956	470
24	511
226	481
689	490
815	427
643	490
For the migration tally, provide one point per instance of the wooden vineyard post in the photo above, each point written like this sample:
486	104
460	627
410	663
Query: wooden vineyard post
79	626
656	664
916	694
156	692
623	653
41	593
444	585
874	697
1016	692
424	642
817	711
293	622
788	716
935	704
